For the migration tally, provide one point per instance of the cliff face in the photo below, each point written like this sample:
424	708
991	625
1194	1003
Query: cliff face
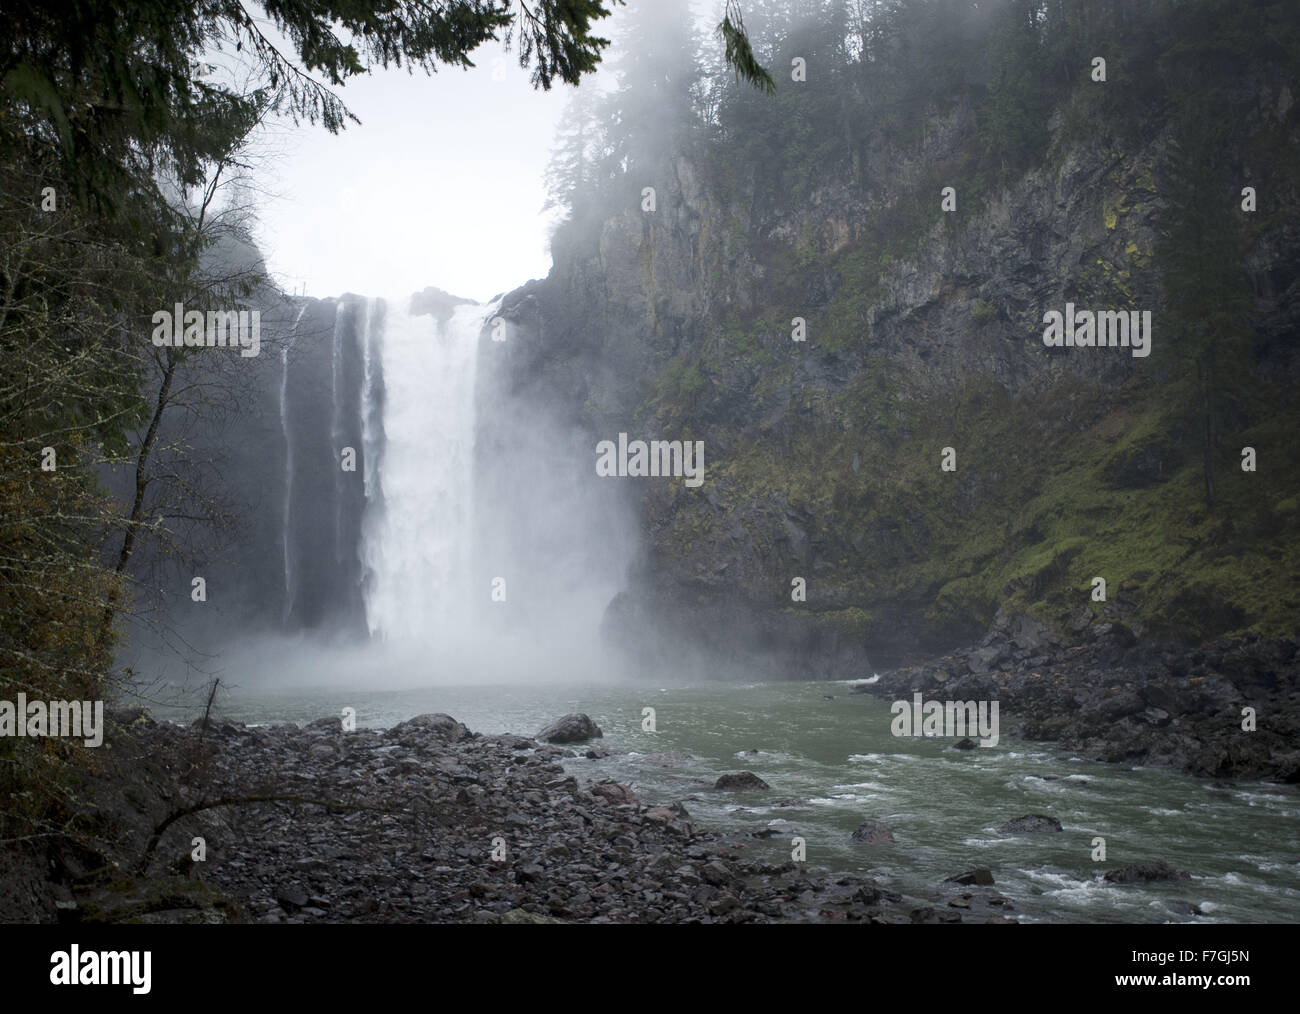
283	550
925	332
294	562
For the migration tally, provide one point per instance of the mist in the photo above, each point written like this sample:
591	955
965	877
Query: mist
470	540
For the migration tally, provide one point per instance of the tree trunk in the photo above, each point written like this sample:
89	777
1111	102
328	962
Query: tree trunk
137	505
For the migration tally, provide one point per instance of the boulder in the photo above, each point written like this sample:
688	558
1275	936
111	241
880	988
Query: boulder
291	897
519	916
570	729
1145	873
613	792
1032	823
982	660
716	873
740	780
873	833
978	876
1030	635
443	726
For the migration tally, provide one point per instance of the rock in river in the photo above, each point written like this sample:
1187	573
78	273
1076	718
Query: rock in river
979	876
1031	823
741	780
1143	873
873	833
570	729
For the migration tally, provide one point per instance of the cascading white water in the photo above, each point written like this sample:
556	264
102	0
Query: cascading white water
288	462
418	550
481	563
336	429
369	442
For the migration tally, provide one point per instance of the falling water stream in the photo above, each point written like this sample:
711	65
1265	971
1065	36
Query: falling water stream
418	548
288	462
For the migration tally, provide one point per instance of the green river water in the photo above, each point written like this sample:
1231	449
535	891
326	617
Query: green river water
839	762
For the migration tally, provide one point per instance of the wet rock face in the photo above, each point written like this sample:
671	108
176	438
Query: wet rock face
428	822
627	302
570	729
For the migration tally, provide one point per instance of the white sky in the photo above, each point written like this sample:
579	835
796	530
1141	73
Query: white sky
440	184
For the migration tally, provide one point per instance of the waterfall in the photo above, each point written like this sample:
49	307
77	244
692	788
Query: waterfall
418	548
470	486
336	429
369	438
288	463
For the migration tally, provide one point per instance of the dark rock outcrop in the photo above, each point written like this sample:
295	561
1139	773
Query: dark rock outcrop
1114	699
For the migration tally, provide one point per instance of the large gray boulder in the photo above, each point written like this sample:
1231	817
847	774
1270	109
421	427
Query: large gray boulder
740	780
440	725
570	729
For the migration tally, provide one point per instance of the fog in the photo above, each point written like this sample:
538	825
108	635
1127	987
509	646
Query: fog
473	542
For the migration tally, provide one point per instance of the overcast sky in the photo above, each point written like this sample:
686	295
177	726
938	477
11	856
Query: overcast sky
440	184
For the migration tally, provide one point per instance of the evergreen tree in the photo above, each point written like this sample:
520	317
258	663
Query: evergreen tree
655	108
1202	255
572	174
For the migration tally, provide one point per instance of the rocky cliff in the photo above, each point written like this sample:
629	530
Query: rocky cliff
924	331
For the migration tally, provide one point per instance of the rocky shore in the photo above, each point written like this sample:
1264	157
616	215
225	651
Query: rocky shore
430	822
1110	697
424	822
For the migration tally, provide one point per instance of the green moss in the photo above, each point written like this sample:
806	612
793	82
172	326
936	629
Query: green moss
1032	514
